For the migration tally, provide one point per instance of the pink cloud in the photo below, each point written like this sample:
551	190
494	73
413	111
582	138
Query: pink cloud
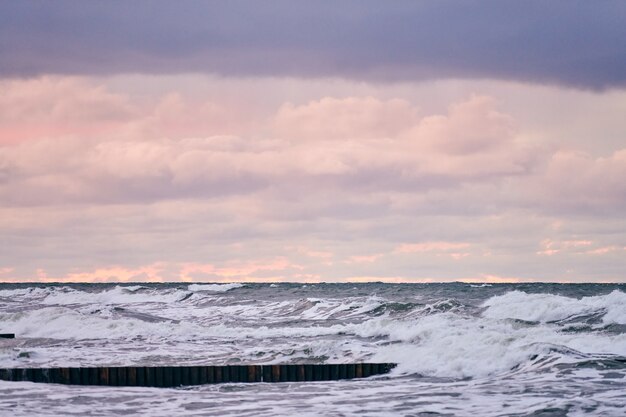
151	273
359	259
455	250
605	249
333	118
57	106
492	279
5	271
235	270
470	127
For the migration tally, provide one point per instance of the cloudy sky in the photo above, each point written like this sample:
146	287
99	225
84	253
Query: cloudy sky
313	141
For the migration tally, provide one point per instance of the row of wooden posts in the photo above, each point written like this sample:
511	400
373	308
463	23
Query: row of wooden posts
174	376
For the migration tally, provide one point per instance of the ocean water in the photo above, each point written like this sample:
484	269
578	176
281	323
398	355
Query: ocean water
462	349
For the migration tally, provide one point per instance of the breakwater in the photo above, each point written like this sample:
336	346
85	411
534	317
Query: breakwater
174	376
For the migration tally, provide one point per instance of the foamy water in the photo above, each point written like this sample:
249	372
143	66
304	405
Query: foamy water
461	349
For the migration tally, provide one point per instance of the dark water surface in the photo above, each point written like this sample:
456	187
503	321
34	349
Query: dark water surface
462	349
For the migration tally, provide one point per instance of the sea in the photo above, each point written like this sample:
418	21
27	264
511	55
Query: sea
462	349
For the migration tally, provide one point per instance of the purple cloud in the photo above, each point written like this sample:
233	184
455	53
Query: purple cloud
571	43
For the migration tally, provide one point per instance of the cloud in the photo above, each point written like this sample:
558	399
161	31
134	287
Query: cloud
146	153
47	106
576	181
331	184
560	43
454	250
333	118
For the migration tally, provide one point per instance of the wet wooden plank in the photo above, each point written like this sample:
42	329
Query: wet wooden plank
141	376
122	377
75	376
292	372
275	373
113	376
185	378
333	372
343	371
64	375
243	373
253	374
267	373
158	376
150	376
219	374
325	372
177	376
301	373
358	370
350	370
317	372
308	372
233	372
168	376
283	373
367	370
131	376
103	376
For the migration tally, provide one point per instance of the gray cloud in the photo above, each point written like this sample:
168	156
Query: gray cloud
571	43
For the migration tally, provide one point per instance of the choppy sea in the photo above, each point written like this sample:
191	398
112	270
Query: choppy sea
462	349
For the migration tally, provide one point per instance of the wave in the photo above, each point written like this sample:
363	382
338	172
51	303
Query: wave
546	308
214	287
513	332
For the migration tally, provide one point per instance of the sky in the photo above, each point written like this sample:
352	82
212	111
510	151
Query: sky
313	141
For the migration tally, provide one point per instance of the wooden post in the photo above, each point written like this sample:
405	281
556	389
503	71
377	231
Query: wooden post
233	371
64	375
333	372
343	371
308	372
358	370
131	376
122	378
283	372
74	376
317	372
367	370
219	377
300	373
158	376
104	376
185	376
113	379
275	373
252	373
150	376
267	373
177	376
325	372
168	376
350	371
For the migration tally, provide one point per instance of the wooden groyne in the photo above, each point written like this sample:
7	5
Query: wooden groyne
174	376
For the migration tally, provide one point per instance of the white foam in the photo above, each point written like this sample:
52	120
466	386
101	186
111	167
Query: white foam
214	287
116	295
450	345
548	307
